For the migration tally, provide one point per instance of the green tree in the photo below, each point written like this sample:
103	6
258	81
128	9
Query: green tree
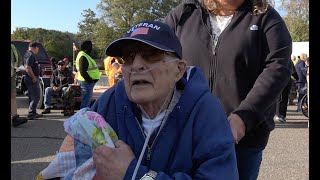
297	18
21	33
57	44
122	14
87	25
117	17
88	30
103	36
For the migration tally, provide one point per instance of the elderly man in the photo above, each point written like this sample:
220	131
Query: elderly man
169	124
60	80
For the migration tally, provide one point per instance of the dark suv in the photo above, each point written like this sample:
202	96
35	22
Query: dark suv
45	69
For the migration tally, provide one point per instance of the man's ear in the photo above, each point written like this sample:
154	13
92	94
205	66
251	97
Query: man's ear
182	66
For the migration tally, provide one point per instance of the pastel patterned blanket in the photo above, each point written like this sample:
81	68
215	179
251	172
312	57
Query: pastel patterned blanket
89	128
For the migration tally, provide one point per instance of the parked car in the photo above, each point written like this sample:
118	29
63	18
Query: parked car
45	69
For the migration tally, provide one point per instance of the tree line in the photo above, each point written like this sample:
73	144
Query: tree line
119	15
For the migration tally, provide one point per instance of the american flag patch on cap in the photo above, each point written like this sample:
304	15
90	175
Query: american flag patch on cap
140	30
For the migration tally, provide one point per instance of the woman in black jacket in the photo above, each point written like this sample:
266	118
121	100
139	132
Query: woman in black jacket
244	49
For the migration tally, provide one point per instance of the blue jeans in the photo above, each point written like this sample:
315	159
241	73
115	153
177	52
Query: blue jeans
86	93
48	95
249	161
33	94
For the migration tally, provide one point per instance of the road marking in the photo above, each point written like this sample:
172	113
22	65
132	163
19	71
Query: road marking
36	160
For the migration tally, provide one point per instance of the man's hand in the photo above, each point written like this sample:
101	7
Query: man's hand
237	126
30	73
56	88
112	163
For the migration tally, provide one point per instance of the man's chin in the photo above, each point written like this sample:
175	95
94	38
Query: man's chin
141	98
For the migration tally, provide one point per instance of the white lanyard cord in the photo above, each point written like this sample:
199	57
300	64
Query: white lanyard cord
148	136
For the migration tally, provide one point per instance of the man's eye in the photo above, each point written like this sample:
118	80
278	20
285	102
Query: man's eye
153	57
132	55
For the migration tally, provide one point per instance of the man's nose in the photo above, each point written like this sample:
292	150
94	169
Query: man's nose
138	64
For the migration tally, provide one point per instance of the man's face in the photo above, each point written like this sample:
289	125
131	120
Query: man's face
148	77
61	67
35	50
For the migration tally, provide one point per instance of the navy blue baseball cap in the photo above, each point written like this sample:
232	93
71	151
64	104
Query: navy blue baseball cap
153	33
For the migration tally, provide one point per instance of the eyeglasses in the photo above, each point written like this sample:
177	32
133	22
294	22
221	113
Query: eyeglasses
151	56
149	67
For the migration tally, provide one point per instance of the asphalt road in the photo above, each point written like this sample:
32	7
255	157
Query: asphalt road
34	144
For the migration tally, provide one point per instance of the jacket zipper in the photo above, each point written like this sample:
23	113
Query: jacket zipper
150	147
212	63
212	83
149	153
215	61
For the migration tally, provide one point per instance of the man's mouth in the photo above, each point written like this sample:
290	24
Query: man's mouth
140	82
